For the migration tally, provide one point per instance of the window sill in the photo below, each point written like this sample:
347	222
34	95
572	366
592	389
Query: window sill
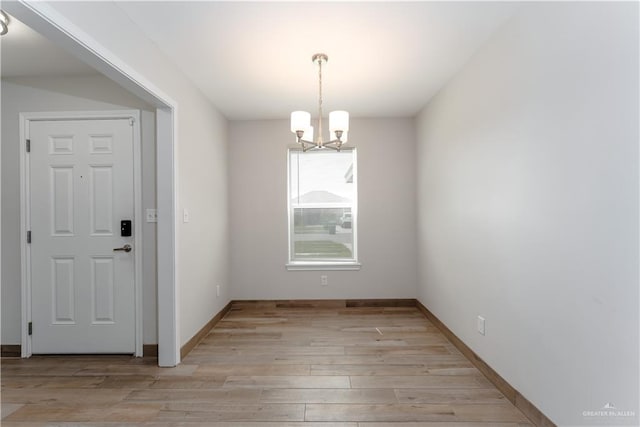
319	266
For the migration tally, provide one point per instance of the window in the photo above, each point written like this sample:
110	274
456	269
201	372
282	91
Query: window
323	209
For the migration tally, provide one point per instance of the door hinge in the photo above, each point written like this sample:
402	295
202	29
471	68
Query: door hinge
29	236
30	328
131	121
28	145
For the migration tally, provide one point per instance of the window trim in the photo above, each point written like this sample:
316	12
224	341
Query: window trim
323	266
329	264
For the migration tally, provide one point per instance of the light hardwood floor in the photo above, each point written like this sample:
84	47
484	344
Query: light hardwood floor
270	366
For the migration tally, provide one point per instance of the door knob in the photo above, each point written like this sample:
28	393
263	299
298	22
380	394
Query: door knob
126	248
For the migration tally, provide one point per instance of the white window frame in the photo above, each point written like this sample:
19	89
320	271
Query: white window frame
335	265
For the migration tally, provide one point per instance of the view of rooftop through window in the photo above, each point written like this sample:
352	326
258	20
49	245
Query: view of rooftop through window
322	194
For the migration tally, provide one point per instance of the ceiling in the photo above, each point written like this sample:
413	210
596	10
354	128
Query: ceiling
25	53
253	59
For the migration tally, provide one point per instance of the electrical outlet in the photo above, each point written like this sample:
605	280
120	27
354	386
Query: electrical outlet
480	325
218	290
324	280
152	215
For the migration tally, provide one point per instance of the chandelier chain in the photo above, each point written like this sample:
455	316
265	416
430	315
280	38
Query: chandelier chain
320	141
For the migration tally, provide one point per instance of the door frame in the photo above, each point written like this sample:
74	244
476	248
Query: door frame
45	19
25	212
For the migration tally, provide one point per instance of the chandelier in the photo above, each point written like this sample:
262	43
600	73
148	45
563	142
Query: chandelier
338	121
4	23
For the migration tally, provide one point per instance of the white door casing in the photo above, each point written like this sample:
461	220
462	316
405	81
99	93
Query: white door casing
83	178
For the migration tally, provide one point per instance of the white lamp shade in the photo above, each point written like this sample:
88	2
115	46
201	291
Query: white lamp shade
339	120
300	120
308	134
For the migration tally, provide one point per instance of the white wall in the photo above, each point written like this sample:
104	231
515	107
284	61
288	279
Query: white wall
202	259
528	207
386	214
38	94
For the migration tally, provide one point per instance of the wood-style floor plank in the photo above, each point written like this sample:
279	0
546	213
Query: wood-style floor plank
413	413
443	424
337	396
220	396
250	369
270	364
180	411
268	382
119	412
421	382
193	424
442	395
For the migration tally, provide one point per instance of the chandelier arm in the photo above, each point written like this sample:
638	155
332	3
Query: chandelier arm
306	146
306	141
334	145
314	147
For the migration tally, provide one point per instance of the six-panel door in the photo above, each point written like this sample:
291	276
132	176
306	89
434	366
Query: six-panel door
81	187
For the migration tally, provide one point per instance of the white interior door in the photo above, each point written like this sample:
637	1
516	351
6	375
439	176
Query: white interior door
81	188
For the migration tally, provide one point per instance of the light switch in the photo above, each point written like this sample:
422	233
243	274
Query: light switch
152	215
185	215
480	325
